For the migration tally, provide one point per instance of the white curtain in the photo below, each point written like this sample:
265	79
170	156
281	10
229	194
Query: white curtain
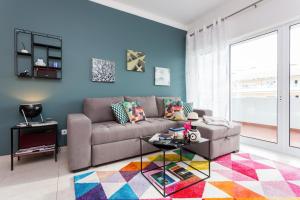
207	69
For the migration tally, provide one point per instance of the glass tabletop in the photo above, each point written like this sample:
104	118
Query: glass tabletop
169	144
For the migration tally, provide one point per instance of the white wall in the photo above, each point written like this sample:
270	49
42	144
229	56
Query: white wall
267	14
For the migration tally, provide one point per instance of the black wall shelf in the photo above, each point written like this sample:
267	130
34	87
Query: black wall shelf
46	46
39	46
54	57
23	54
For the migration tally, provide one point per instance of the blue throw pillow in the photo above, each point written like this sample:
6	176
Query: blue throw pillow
120	113
187	108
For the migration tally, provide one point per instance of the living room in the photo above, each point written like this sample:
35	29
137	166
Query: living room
150	99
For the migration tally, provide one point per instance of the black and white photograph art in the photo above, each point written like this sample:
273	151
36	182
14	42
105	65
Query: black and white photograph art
103	70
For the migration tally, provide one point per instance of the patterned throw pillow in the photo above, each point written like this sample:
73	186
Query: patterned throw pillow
174	110
187	108
178	115
134	111
120	113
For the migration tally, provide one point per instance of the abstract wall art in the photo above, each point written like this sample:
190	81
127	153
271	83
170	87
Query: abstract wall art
162	76
103	70
135	61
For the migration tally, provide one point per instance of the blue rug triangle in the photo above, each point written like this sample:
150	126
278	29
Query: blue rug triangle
82	188
81	176
124	193
97	193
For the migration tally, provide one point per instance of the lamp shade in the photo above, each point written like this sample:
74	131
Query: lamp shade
31	110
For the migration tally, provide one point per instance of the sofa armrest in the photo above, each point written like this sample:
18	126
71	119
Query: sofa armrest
202	112
79	141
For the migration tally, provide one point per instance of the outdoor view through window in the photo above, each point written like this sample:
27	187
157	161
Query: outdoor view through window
254	86
295	86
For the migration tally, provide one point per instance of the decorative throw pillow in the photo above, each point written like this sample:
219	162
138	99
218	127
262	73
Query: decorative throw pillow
174	109
134	111
178	115
187	108
120	113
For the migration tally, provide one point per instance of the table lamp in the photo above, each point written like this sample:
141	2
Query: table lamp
31	110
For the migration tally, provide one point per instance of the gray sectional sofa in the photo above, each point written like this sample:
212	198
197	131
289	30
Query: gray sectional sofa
94	137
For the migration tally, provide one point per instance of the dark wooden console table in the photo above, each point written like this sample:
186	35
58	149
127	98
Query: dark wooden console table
38	138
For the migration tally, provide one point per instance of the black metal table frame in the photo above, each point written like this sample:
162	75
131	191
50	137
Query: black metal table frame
164	167
19	128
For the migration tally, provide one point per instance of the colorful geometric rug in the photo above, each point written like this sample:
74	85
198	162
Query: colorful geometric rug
239	176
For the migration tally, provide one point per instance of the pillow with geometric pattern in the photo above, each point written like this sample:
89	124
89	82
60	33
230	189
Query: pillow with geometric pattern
120	113
187	108
174	109
135	112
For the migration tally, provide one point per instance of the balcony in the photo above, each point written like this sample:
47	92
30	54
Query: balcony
258	116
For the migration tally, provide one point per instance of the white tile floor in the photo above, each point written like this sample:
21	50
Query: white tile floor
43	179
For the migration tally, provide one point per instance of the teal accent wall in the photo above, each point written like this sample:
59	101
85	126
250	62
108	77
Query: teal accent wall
88	30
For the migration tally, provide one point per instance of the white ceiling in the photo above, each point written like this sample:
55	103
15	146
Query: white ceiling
177	13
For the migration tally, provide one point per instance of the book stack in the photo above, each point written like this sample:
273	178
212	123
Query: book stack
44	148
180	172
174	174
157	178
177	132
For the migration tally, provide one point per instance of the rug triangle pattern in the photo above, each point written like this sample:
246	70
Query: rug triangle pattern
239	176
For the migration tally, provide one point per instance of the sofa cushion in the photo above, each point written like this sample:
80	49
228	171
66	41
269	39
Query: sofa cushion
148	103
160	104
107	132
99	109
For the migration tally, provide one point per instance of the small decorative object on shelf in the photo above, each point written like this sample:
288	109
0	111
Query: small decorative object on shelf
40	62
25	73
43	60
24	50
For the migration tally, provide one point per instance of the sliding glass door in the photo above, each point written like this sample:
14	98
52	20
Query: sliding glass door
265	88
254	86
295	85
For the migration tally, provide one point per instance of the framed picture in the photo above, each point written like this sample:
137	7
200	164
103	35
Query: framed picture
103	70
162	76
135	61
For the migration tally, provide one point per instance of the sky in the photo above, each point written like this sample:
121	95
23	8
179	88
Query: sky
257	57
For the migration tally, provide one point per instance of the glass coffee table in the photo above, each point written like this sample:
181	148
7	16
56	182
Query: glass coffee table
173	177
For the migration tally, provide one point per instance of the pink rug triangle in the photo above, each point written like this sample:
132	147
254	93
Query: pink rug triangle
233	175
194	191
224	158
244	155
254	165
243	169
295	189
